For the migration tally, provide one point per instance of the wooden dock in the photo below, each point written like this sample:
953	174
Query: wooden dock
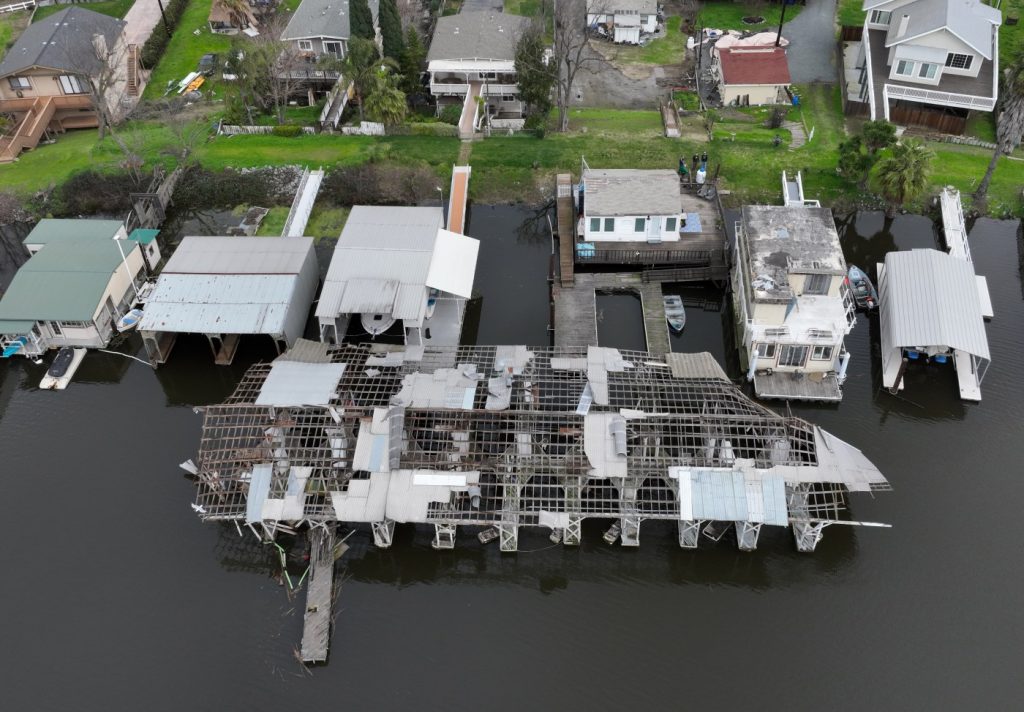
316	622
566	230
576	308
457	197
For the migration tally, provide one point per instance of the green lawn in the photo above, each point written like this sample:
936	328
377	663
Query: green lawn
11	26
301	115
526	8
114	8
664	50
849	12
728	15
185	49
1011	38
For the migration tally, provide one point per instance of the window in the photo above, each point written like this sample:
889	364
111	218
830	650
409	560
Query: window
76	324
488	75
766	351
670	224
821	353
306	45
69	84
928	71
644	19
905	68
880	17
595	224
792	355
508	97
640	224
332	48
959	61
19	82
817	284
55	328
609	224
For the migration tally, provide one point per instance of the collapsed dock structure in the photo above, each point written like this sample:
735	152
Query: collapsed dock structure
510	437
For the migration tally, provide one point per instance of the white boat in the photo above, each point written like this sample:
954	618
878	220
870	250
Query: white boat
431	302
376	324
675	312
129	321
64	365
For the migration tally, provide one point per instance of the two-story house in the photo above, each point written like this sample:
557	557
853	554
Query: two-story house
47	78
792	306
623	20
926	62
472	54
322	27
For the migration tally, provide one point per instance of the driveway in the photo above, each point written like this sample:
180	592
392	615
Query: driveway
481	5
812	43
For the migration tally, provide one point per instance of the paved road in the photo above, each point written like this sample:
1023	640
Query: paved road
812	43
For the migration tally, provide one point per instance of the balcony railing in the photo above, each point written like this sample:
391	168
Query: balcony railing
941	98
462	88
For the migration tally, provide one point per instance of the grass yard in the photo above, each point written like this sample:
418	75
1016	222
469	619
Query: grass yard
664	50
114	8
728	15
526	8
273	223
1011	37
185	49
849	12
326	222
12	24
299	115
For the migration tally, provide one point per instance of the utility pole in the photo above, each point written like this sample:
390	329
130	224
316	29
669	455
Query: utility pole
167	28
778	37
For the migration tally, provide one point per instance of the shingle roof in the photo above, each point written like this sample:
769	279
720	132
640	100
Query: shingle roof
62	41
630	191
969	20
610	7
477	35
322	18
754	65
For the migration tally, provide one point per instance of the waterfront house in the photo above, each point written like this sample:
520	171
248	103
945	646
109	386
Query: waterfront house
752	76
83	275
47	77
321	28
229	287
792	306
472	55
398	274
623	21
231	21
924	62
630	205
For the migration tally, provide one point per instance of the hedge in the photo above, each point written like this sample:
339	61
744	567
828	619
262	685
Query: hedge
157	43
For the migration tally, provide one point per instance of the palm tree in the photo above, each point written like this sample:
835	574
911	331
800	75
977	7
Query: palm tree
238	11
360	66
903	176
386	102
1009	120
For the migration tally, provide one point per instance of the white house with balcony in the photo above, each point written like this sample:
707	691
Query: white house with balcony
793	308
631	205
920	60
472	54
623	21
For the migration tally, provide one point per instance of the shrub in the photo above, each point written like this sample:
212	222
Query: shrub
157	43
451	114
437	129
287	130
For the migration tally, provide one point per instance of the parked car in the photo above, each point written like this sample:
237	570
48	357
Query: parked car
207	64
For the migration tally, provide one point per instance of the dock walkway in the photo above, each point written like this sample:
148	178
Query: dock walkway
316	623
566	234
576	308
302	206
457	197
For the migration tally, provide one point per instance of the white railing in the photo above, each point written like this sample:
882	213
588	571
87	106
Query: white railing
235	130
941	98
866	42
28	5
487	90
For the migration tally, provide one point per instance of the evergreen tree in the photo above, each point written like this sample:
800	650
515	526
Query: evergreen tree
361	19
413	57
534	77
903	176
391	30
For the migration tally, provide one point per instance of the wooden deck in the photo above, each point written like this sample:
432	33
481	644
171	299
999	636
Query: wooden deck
576	308
457	197
792	386
316	622
566	229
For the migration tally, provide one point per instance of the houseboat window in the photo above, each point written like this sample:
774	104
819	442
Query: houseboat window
19	82
905	68
821	353
69	84
880	17
644	19
792	355
670	224
595	224
508	97
333	48
306	45
766	350
76	324
609	224
817	283
928	71
640	224
55	328
959	61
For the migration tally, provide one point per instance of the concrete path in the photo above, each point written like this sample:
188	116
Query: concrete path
812	43
796	131
141	19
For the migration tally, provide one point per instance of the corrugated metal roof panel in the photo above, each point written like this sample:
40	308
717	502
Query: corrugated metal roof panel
294	383
239	255
410	302
368	296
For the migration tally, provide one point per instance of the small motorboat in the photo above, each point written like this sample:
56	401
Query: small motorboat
64	365
675	312
376	324
488	535
129	321
864	293
431	302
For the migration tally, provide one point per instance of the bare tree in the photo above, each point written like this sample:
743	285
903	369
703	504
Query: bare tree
268	71
570	52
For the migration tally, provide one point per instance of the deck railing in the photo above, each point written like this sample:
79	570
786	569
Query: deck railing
940	98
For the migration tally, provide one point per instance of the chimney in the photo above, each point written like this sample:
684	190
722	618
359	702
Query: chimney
902	30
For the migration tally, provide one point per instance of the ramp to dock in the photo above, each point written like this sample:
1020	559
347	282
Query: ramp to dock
316	622
954	230
470	110
302	206
457	198
566	233
576	308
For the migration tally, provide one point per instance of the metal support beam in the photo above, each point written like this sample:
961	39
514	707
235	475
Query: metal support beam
508	528
746	535
630	521
444	536
572	534
689	533
383	533
807	535
509	536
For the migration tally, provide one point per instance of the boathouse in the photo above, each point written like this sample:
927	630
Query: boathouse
82	276
398	275
792	307
229	287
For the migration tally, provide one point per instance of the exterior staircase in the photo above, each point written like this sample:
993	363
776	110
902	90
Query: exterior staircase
133	70
38	114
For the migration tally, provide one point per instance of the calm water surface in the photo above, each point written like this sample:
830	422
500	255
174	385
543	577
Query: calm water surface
116	597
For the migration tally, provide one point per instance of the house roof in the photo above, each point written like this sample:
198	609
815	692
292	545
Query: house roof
930	298
630	191
476	35
239	255
611	7
785	239
969	20
62	41
754	65
322	18
66	279
220	13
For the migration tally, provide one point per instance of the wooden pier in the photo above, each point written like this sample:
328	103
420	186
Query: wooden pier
566	232
316	622
576	308
457	197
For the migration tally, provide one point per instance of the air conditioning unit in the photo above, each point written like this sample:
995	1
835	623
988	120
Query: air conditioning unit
21	94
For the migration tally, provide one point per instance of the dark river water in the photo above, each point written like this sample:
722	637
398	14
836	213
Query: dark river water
116	597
